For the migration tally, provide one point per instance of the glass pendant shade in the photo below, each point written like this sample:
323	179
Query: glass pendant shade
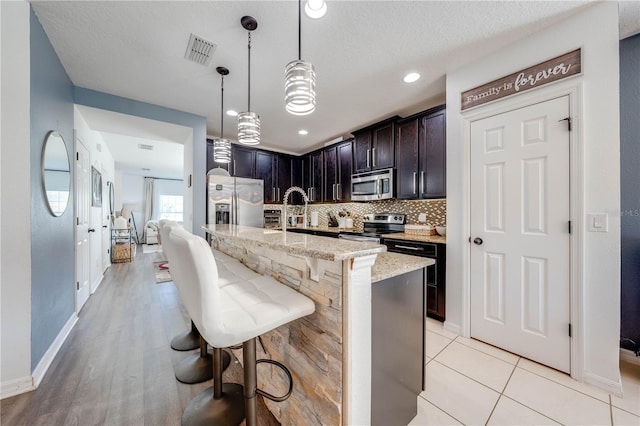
300	88
222	150
248	128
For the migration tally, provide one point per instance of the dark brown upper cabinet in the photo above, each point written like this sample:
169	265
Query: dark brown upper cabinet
313	176
279	173
266	170
338	168
374	147
421	156
242	161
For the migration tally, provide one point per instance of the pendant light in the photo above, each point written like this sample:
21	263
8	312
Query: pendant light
315	9
300	81
249	122
222	146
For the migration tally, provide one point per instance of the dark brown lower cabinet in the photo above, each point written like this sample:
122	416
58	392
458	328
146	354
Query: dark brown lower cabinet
436	275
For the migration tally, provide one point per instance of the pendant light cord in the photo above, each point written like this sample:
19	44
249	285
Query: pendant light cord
299	29
249	75
222	108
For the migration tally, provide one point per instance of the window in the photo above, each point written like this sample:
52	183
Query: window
171	207
58	201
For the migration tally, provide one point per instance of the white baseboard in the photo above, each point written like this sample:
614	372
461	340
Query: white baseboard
15	387
96	284
629	356
454	328
610	386
50	354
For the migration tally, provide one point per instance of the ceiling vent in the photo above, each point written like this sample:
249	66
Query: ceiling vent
147	147
200	50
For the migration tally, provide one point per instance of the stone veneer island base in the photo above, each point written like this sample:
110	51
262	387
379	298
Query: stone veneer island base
328	352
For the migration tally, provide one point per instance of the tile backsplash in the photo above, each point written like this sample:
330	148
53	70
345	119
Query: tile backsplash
436	210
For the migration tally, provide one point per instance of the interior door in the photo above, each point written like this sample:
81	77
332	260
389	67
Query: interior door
520	258
82	209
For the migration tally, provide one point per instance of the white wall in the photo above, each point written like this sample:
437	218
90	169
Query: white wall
596	31
15	225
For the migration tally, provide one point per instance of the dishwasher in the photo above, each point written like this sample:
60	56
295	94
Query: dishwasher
435	294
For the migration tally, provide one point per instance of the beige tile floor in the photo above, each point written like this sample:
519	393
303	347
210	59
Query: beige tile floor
472	383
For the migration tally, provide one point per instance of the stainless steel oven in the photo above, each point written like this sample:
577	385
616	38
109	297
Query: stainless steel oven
376	224
376	185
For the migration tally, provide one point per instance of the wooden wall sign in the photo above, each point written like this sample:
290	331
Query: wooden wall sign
554	69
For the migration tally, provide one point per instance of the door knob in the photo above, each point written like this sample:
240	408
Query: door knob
92	230
478	241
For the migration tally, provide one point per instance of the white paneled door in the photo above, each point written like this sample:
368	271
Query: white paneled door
82	209
520	233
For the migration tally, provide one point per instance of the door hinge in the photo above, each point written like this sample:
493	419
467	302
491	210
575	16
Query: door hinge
570	227
77	156
77	285
569	329
568	120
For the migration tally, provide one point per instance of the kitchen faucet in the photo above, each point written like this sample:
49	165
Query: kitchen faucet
284	205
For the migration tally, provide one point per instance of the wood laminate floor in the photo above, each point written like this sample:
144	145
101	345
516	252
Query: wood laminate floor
116	366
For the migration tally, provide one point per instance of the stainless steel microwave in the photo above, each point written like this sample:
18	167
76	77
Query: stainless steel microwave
370	186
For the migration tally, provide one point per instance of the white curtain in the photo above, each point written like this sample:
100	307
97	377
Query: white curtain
147	206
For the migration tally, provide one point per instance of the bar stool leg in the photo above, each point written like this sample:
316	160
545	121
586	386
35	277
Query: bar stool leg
186	341
250	381
221	404
197	368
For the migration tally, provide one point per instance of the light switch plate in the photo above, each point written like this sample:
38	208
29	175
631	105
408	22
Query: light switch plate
598	222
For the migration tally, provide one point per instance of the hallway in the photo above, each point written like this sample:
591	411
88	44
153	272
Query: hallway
116	367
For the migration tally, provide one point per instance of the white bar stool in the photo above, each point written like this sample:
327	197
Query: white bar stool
226	316
195	368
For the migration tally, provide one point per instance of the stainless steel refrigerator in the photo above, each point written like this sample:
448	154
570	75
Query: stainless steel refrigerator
235	200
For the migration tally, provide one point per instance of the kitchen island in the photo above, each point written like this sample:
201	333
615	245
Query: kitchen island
329	352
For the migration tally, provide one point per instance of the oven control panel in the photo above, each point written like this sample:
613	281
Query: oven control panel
396	218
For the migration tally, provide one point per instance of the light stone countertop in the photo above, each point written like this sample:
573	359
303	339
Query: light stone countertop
311	246
389	265
421	238
332	229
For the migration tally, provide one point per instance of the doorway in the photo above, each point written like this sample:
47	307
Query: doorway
520	258
82	226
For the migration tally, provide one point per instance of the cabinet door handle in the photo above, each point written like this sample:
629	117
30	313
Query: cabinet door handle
278	199
309	194
333	189
409	248
368	158
415	175
373	157
338	190
234	168
422	182
273	192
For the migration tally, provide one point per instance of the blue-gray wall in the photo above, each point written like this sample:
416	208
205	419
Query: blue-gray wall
198	123
630	187
52	247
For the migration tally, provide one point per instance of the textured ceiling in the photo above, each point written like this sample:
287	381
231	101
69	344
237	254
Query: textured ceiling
360	49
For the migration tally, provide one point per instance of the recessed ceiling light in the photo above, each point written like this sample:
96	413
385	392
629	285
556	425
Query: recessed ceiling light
303	132
232	113
411	77
315	8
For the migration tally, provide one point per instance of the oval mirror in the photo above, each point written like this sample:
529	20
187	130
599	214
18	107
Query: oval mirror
56	173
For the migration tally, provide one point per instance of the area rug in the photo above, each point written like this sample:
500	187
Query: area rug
151	248
161	271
